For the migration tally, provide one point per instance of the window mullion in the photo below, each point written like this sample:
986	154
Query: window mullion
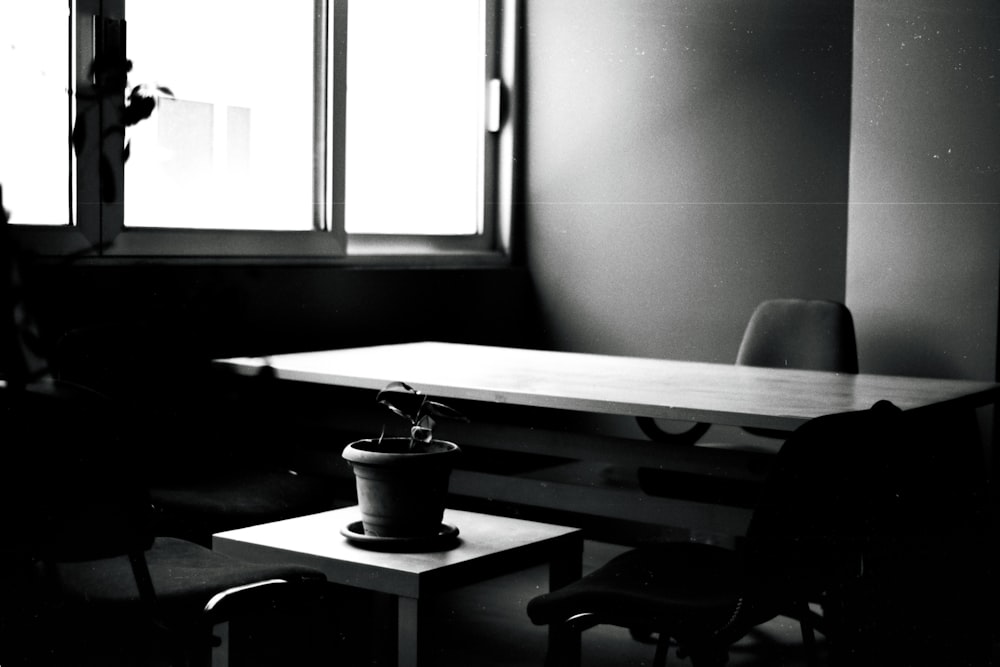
98	132
507	18
110	54
86	129
335	85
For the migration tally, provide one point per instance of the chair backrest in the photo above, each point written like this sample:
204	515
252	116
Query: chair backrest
810	334
833	488
70	489
885	513
870	493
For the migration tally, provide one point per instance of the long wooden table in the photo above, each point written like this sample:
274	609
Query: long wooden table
723	394
662	388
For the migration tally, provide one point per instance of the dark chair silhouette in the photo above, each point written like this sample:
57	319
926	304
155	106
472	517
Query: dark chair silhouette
85	580
804	334
842	524
215	459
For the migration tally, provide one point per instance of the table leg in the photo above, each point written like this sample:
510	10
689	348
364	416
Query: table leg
566	566
408	632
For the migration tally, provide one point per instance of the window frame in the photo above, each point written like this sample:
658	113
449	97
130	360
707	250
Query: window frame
97	229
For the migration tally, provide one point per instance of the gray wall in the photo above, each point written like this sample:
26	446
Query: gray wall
924	235
684	161
687	160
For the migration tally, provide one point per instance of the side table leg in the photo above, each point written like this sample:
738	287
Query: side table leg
565	567
408	642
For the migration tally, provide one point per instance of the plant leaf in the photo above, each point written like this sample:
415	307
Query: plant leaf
141	105
443	411
395	410
397	386
421	434
402	400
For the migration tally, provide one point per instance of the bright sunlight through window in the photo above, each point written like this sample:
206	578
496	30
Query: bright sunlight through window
414	126
34	68
253	130
233	148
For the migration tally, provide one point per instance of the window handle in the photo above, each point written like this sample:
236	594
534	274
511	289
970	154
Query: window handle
494	93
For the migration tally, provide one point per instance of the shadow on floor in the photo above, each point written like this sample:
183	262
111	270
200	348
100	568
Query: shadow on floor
486	625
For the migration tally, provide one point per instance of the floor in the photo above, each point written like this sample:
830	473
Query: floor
485	625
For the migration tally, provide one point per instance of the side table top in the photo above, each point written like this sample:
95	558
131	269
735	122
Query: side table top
486	544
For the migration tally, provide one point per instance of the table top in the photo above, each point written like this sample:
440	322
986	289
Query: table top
486	543
609	384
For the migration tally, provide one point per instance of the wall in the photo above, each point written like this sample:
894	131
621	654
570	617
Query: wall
160	319
684	161
924	236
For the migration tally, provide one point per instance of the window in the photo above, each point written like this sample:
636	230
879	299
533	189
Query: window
328	128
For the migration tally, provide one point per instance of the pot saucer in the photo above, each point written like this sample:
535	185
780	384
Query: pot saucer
444	538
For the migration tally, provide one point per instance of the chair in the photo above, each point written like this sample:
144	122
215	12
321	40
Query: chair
215	460
856	516
804	334
85	581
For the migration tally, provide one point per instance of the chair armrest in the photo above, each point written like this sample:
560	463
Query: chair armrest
267	595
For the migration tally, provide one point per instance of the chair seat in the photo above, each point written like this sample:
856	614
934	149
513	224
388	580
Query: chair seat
185	576
94	583
196	508
639	589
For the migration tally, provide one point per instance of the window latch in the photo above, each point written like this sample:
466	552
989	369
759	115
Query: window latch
494	93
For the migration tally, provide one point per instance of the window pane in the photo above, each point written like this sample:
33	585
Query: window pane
34	131
233	149
414	129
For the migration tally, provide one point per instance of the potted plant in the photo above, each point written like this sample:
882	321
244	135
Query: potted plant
402	481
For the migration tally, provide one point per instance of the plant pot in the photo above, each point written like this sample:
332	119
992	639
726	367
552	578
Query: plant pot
401	491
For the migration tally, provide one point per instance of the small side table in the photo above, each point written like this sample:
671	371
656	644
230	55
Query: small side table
488	546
